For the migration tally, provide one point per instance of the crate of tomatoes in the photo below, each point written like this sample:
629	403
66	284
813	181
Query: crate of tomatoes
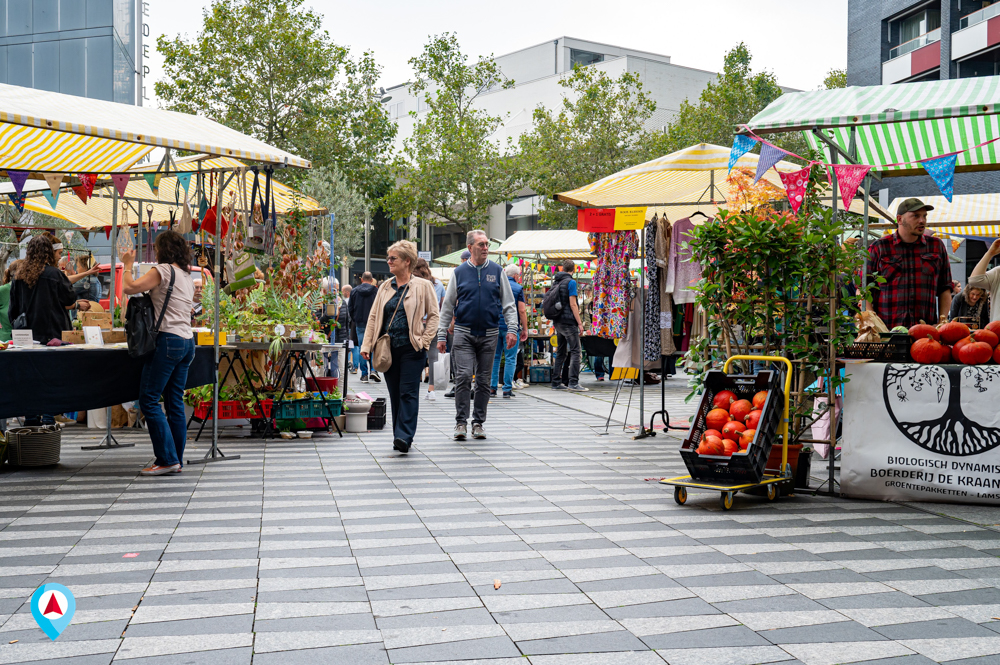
734	428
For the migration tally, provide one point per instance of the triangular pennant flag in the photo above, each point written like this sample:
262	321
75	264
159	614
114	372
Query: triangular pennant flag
185	180
107	232
18	201
120	181
52	197
21	234
54	180
87	181
942	170
18	178
769	156
742	144
849	177
81	192
795	184
153	180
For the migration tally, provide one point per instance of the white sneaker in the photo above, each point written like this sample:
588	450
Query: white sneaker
432	395
519	384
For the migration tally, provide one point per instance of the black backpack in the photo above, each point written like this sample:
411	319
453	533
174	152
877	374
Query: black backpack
141	323
552	304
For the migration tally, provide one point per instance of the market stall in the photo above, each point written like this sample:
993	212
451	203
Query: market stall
927	431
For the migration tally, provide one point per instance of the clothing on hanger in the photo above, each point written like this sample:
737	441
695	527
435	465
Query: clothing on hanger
661	248
612	286
651	316
682	270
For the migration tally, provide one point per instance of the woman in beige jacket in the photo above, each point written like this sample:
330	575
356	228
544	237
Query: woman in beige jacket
406	309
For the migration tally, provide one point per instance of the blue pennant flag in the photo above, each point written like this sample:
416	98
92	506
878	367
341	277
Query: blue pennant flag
742	144
53	199
942	170
18	201
185	180
769	156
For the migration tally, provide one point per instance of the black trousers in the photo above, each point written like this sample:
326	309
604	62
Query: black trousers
403	382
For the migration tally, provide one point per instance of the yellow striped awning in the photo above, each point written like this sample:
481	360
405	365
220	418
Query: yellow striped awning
96	213
64	117
43	150
695	177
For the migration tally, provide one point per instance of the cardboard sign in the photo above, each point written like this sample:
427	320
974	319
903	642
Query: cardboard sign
627	219
92	335
595	220
22	338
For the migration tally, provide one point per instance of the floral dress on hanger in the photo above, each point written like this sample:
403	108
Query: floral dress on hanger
612	286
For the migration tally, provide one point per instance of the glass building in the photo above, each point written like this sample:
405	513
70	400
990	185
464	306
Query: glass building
89	48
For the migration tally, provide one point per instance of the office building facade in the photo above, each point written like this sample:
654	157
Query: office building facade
88	48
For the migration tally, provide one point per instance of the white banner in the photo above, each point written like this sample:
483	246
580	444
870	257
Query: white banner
922	433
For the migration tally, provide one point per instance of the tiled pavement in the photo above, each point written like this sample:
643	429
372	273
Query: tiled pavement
342	551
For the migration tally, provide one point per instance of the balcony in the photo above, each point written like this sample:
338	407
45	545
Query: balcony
914	44
984	14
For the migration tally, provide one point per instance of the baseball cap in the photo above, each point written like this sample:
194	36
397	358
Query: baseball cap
466	255
912	205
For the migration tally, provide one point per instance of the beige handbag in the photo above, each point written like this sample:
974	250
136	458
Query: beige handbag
382	351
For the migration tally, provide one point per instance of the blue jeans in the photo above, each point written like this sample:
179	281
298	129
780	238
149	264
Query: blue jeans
165	373
510	363
355	356
402	380
602	366
364	363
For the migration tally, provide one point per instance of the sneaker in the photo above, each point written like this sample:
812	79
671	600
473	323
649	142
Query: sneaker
578	389
519	384
460	430
477	431
63	419
364	378
157	470
507	395
178	469
401	446
558	386
375	377
450	393
432	396
354	370
493	392
600	378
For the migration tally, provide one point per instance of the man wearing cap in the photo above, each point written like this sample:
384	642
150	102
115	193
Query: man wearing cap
916	270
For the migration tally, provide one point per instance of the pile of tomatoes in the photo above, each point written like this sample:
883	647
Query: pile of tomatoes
731	424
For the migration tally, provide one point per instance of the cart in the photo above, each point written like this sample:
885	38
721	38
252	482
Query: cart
770	485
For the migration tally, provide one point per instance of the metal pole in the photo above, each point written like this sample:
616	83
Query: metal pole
332	219
368	242
642	348
864	227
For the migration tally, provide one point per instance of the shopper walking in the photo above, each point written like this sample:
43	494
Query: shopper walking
423	271
569	327
344	320
406	310
478	295
166	369
513	273
359	309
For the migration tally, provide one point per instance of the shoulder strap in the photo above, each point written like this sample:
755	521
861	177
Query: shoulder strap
166	300
398	303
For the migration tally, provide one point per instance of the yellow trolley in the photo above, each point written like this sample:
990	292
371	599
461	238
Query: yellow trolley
769	485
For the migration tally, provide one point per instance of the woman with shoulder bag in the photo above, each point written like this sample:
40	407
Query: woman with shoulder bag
165	370
401	326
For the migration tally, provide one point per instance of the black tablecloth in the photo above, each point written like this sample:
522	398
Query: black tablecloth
66	379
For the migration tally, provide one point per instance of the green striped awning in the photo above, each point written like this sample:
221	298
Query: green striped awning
897	124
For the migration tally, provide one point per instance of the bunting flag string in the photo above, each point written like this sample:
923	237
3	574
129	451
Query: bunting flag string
849	177
120	181
18	178
795	184
742	144
942	170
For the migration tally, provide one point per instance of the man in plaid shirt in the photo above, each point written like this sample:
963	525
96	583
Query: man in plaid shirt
916	270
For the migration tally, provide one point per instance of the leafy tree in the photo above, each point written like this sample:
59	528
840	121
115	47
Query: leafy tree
268	69
330	187
452	169
736	96
598	130
835	78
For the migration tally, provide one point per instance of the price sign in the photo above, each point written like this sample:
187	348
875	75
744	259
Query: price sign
22	338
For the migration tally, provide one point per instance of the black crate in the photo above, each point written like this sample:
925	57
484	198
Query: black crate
748	466
376	415
894	349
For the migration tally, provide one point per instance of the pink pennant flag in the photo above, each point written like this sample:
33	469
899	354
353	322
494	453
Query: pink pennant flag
121	182
795	184
88	180
849	177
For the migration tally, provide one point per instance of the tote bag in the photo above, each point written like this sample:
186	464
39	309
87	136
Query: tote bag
382	352
821	427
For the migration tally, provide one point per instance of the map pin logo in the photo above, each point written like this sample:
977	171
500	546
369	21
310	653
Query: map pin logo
53	606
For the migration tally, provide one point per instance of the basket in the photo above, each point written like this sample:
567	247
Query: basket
34	446
324	384
895	349
307	408
231	410
376	415
540	374
746	466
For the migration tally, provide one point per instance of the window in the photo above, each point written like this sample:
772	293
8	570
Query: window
421	103
584	58
918	24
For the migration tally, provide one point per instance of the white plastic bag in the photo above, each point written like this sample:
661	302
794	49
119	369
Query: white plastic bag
442	367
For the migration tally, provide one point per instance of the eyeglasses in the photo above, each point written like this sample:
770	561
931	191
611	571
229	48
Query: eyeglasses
482	244
391	259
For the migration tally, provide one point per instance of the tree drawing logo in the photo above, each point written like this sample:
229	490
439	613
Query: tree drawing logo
949	410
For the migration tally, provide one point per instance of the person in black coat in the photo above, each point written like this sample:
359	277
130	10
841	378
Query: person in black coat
360	306
43	293
971	306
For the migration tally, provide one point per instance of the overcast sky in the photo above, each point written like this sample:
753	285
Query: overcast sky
798	41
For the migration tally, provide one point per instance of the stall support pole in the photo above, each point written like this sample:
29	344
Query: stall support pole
214	454
109	441
643	432
368	242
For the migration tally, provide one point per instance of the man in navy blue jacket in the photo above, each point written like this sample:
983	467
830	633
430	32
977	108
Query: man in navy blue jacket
478	296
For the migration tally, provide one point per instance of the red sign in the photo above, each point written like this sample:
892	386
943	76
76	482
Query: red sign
595	220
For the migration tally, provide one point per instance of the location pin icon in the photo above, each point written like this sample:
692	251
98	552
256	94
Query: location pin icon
53	606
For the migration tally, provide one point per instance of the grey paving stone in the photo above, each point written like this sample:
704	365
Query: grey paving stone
682	607
240	623
727	636
560	585
841	631
469	617
916	659
96	659
336	622
334	594
931	629
972	597
211	597
930	572
240	656
891	599
492	647
594	643
359	654
588	612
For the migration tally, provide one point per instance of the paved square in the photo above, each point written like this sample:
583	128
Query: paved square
547	543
